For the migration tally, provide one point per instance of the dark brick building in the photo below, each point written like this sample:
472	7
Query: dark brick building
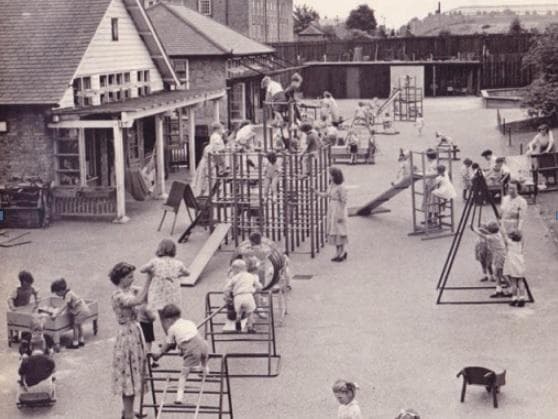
262	20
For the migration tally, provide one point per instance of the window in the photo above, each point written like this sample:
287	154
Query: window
114	28
82	93
204	7
181	68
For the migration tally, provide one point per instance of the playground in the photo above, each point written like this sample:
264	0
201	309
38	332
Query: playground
372	320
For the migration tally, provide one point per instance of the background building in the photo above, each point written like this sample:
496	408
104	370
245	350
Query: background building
261	20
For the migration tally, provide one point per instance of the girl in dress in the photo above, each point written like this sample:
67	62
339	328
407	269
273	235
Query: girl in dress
129	358
345	393
336	213
514	268
75	306
165	271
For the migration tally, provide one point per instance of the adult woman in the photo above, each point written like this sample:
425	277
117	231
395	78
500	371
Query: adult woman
330	108
543	141
337	213
129	358
513	209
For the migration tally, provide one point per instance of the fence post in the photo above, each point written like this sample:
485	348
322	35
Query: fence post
509	137
521	149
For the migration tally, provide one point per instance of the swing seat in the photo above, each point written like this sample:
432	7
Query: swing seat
135	184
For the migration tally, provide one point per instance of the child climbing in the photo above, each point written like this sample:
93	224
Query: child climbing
345	393
404	166
193	348
241	287
514	268
272	173
497	248
484	256
467	173
444	188
76	308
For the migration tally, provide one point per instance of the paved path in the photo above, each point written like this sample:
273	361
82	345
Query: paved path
371	319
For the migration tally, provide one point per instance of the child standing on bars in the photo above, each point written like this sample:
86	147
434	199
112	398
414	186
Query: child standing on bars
193	348
272	173
75	306
241	288
345	393
514	268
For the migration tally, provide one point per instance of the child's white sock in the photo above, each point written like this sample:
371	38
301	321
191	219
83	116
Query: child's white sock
180	389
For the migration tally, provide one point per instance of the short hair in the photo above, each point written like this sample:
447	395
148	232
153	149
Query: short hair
167	247
306	127
119	271
216	125
240	264
255	237
467	162
408	414
342	386
441	169
515	182
170	311
25	277
475	166
327	94
296	77
493	227
58	285
431	154
336	175
271	157
487	153
543	127
500	160
515	235
244	123
265	81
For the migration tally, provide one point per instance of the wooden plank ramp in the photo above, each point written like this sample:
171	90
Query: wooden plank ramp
205	254
374	206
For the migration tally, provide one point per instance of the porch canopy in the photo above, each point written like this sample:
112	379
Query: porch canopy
120	115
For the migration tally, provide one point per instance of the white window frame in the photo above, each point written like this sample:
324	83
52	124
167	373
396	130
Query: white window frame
204	7
185	81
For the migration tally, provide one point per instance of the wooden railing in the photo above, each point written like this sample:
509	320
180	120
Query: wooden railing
84	202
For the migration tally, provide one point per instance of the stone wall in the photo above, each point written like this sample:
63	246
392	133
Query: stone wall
27	148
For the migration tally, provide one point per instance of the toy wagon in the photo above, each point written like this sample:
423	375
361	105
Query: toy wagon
20	319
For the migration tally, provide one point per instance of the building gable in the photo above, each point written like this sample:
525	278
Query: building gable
105	56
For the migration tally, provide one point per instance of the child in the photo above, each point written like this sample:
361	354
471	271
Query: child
21	296
361	115
467	173
345	393
444	188
146	318
497	248
166	271
76	308
352	142
484	256
36	373
371	150
514	268
272	172
241	287
193	348
387	122
419	124
408	414
331	135
404	166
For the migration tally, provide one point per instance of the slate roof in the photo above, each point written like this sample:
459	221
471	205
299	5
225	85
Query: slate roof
311	30
185	32
41	45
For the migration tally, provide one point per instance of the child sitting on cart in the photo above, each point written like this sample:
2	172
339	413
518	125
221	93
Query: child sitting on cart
21	297
36	373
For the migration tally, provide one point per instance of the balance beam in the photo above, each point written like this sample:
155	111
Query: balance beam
205	254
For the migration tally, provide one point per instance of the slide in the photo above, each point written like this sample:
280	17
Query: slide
369	207
388	102
205	254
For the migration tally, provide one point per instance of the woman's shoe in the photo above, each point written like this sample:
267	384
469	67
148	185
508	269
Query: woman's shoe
336	259
344	257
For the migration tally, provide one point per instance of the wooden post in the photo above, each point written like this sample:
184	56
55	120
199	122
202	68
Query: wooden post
509	137
119	175
192	141
216	116
82	160
160	191
434	80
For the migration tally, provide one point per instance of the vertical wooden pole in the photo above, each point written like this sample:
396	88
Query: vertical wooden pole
192	141
82	160
119	175
160	191
216	115
434	80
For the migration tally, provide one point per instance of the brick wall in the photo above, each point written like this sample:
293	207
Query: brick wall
27	148
208	73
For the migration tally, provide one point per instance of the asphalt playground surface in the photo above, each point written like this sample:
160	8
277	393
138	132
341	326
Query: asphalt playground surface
372	319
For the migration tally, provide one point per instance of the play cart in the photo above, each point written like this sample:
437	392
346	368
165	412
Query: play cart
19	320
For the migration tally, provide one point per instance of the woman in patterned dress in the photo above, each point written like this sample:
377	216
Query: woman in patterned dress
165	271
129	358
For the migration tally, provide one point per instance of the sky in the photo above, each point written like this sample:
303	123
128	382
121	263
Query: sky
396	13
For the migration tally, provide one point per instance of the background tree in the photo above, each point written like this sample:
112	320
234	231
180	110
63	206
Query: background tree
407	33
542	57
359	35
381	32
515	27
330	32
362	18
303	16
